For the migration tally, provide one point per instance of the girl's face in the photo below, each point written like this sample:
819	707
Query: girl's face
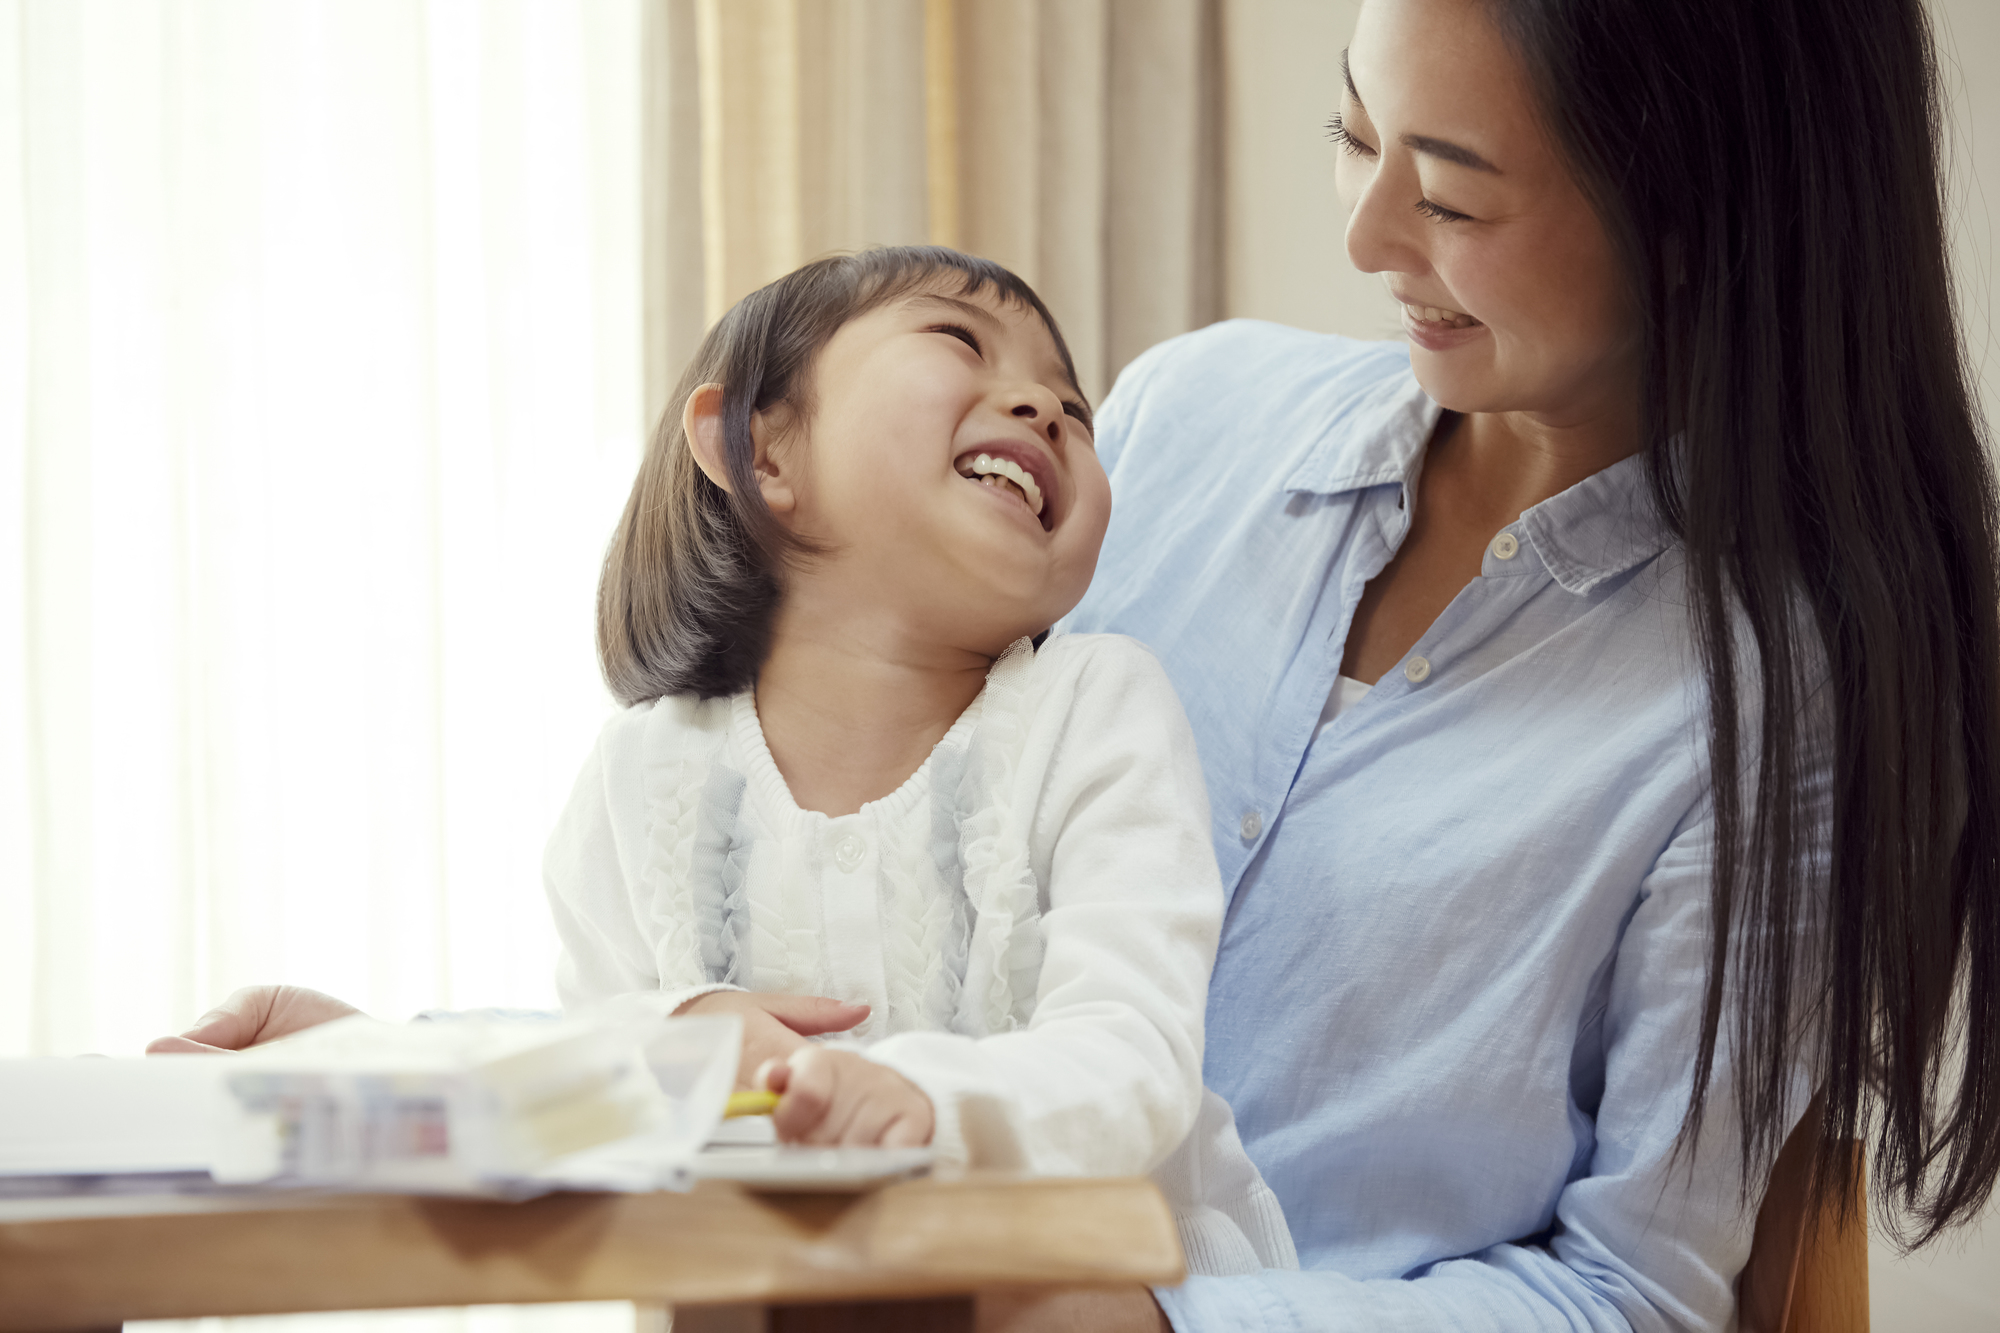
949	471
1512	297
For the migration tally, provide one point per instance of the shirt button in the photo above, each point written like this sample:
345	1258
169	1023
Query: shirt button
1252	825
1416	669
1505	547
847	853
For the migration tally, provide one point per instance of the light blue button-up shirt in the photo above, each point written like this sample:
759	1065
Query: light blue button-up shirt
1457	999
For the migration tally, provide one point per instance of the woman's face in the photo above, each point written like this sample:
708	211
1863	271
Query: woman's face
1511	295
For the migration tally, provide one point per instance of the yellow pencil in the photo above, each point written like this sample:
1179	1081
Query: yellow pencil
755	1102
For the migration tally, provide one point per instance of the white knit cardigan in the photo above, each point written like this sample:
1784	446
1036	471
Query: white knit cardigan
1032	917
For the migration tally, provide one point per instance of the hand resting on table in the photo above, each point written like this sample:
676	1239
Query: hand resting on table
251	1017
774	1026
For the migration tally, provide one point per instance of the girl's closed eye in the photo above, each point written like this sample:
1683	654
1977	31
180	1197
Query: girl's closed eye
962	333
1071	408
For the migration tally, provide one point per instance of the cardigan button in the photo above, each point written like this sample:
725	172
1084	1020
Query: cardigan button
847	853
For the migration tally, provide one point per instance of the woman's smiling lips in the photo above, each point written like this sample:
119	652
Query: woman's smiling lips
1040	495
1436	328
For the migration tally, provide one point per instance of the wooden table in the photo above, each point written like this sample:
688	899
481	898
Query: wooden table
909	1256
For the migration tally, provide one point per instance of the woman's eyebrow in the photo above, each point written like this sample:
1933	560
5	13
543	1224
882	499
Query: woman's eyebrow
1443	149
1448	151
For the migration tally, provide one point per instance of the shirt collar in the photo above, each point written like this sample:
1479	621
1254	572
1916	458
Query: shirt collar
1376	436
1599	528
1596	530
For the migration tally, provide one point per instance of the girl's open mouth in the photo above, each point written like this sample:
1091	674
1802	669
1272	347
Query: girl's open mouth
1005	474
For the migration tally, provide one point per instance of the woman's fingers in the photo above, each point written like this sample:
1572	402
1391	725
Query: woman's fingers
182	1046
252	1016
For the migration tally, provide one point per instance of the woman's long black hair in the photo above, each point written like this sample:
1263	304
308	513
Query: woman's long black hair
1770	169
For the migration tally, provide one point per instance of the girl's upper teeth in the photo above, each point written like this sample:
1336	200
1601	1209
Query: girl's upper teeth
987	465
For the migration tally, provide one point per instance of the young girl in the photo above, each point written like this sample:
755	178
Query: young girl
846	769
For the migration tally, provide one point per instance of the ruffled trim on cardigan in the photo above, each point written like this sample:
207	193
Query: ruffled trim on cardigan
675	775
1004	956
961	907
716	882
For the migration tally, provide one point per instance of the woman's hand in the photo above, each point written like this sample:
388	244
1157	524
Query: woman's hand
838	1097
775	1026
251	1017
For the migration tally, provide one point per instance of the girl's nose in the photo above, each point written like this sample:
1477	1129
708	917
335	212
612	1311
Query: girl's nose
1048	422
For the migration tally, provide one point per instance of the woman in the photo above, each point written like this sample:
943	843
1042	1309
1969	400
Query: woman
1597	698
1523	983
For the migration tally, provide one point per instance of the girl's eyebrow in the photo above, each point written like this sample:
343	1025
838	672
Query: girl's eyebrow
970	309
1442	149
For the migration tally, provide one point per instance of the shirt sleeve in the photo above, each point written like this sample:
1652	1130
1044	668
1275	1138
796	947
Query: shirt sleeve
1113	426
1645	1240
1106	1076
591	869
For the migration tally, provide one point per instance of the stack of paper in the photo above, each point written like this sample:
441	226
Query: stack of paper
619	1098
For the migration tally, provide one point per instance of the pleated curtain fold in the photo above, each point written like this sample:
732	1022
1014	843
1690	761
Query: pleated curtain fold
1075	141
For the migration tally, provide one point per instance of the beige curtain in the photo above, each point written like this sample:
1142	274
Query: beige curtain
1075	141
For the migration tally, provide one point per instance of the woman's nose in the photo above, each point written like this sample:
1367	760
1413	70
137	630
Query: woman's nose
1378	240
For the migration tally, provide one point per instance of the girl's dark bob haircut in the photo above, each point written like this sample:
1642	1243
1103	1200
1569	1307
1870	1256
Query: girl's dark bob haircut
692	577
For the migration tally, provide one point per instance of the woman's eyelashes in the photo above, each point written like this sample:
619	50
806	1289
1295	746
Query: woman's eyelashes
1440	212
1336	130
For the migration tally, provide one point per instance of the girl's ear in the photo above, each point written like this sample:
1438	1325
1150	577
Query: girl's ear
701	422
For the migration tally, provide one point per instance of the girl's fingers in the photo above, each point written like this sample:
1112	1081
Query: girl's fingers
903	1132
812	1015
765	1040
772	1075
866	1127
809	1086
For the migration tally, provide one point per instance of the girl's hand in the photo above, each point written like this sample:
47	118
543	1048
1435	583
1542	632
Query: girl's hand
838	1097
775	1026
251	1017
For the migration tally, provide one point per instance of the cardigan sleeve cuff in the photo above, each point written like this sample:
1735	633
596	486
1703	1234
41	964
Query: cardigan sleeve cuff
681	996
974	1126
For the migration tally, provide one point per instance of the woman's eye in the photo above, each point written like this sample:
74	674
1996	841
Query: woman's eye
963	334
1079	413
1440	212
1336	130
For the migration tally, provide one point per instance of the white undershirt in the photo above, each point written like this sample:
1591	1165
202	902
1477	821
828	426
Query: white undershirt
1346	693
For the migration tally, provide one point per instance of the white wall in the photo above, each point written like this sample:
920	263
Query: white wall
1284	260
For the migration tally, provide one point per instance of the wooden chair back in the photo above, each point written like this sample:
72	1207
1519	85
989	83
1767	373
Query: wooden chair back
1805	1278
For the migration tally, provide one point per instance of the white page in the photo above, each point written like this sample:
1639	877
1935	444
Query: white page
96	1116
